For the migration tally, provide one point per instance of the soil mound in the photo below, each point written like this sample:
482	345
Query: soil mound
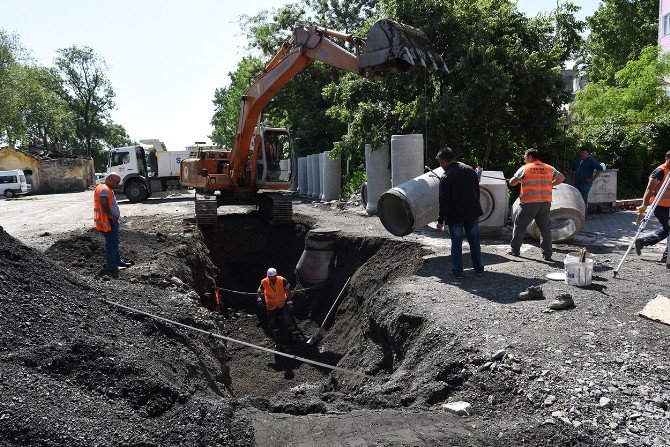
77	371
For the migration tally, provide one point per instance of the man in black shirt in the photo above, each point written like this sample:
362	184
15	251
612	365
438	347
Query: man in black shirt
460	210
662	210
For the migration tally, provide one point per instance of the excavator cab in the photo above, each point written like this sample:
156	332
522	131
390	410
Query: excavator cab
273	164
393	47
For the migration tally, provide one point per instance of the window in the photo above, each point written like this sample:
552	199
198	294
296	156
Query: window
119	158
8	179
23	178
666	24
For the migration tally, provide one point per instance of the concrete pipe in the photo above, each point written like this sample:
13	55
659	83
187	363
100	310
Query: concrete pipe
322	167
411	205
567	214
316	171
302	176
332	177
378	173
494	199
316	260
310	175
406	158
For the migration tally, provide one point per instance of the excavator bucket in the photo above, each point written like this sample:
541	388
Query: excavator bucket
392	47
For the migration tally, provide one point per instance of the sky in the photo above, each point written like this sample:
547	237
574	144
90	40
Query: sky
165	59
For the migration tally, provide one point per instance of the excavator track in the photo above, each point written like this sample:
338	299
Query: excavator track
205	209
278	210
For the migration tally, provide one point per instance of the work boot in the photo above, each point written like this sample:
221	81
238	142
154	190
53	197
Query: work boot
532	293
512	252
639	243
277	340
547	257
562	301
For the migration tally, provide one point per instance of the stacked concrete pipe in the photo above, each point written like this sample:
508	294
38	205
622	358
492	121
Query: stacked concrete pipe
412	205
332	177
316	172
302	176
322	167
310	175
567	214
406	158
378	174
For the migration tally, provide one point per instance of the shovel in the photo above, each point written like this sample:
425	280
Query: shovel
314	339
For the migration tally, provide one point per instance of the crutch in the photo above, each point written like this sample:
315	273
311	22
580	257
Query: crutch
645	220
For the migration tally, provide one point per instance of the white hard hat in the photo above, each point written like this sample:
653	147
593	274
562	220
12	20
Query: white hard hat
272	271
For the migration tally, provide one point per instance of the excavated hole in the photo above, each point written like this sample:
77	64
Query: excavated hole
242	247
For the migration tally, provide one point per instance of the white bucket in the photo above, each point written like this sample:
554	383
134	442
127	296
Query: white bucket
578	273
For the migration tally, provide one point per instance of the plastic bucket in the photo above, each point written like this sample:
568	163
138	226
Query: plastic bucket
578	273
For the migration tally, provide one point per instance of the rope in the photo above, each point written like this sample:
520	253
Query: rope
244	343
254	293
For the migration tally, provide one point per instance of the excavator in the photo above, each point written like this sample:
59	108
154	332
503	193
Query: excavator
261	157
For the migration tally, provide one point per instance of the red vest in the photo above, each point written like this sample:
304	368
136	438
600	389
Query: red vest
274	298
665	198
100	218
536	182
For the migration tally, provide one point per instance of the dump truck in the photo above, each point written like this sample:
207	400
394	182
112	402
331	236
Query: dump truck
236	176
144	172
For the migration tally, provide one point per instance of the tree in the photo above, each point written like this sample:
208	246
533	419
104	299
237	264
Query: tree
88	91
619	30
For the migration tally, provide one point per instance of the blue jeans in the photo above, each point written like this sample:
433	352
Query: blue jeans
112	254
279	318
471	230
662	213
584	189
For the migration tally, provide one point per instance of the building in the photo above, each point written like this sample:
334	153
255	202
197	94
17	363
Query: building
664	26
50	175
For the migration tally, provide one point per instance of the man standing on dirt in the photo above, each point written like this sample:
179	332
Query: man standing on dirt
662	210
537	180
277	293
587	170
460	210
106	214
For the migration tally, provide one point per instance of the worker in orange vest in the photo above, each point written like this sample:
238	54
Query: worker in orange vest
537	180
662	210
274	297
106	216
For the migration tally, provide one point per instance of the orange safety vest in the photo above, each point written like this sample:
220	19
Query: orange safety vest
665	198
536	182
274	298
100	219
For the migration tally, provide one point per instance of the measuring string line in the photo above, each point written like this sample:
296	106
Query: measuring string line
244	343
254	293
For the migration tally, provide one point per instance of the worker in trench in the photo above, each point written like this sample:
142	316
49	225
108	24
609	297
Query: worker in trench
274	297
106	215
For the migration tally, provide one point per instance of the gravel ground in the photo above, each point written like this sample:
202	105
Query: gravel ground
592	375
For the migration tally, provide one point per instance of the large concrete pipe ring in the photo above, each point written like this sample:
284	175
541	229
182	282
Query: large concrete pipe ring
317	259
378	173
316	170
310	175
302	176
411	205
406	158
567	214
494	199
332	177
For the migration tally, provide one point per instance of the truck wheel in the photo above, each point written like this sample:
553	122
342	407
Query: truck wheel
9	193
136	192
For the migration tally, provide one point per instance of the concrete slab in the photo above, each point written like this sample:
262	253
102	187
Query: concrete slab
657	309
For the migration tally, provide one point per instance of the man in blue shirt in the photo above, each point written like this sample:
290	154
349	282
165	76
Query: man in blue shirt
587	170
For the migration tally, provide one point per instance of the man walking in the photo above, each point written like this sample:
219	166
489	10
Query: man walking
106	214
460	210
537	180
587	170
278	305
662	210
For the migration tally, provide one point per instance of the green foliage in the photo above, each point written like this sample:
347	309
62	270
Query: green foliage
631	119
619	30
352	183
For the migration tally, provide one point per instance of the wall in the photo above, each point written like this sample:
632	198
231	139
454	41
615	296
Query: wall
13	159
66	175
663	41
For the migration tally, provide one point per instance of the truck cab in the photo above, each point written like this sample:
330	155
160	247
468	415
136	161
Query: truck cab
131	164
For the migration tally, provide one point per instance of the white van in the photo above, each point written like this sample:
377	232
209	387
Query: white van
13	183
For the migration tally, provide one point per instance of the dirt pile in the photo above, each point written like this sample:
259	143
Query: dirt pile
75	371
